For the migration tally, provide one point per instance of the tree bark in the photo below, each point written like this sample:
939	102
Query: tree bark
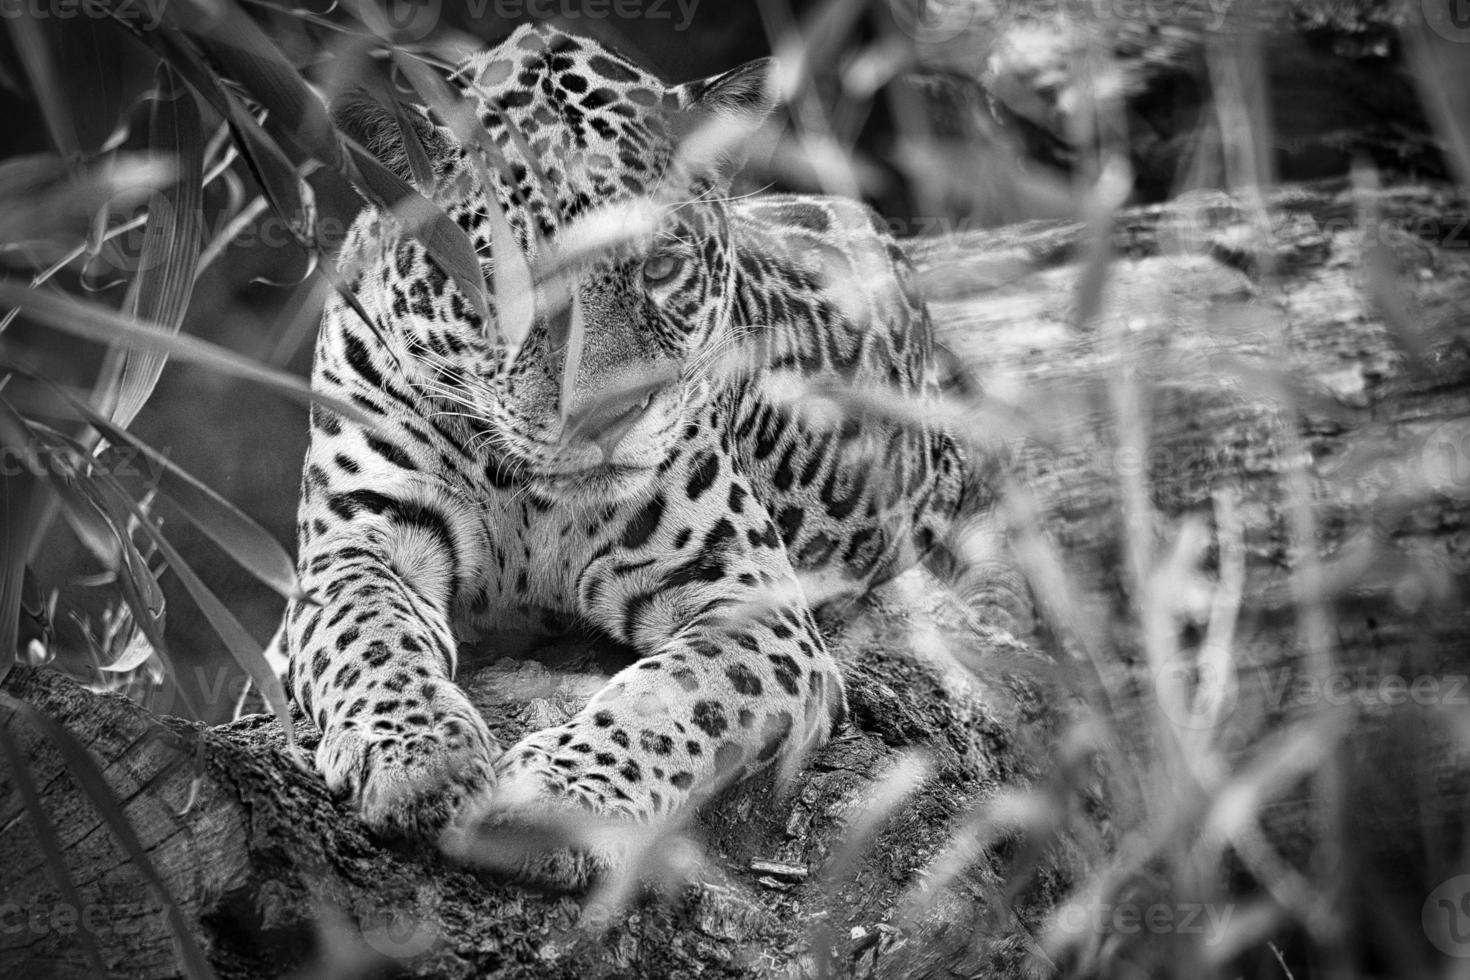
1329	350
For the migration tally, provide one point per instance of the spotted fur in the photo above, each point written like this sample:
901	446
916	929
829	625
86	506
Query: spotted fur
678	501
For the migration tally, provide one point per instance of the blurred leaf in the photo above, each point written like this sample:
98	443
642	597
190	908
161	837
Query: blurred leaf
238	47
56	100
46	836
98	323
82	767
40	201
159	293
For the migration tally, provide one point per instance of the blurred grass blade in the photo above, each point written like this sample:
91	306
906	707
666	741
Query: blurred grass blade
46	836
510	274
242	646
92	321
1439	68
572	359
510	277
160	291
1100	210
80	764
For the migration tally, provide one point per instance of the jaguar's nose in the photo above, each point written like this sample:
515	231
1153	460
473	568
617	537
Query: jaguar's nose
605	420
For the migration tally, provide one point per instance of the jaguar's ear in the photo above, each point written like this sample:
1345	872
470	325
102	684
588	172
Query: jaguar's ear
401	138
721	112
747	91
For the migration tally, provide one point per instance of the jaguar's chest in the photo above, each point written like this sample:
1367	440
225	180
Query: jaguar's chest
535	551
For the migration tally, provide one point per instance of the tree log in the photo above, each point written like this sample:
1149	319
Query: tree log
1320	345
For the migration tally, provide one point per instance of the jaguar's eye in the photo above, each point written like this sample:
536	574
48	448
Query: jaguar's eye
661	267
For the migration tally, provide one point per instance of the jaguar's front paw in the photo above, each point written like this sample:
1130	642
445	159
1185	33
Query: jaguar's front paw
413	770
565	813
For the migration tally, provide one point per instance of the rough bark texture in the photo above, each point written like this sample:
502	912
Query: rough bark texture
1221	327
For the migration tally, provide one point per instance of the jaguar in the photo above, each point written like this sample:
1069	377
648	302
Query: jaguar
653	459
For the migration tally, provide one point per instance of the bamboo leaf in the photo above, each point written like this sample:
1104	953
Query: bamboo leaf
419	163
268	164
159	293
445	241
86	504
241	51
298	114
135	580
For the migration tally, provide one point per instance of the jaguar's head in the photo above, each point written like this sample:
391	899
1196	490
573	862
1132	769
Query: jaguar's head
614	188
